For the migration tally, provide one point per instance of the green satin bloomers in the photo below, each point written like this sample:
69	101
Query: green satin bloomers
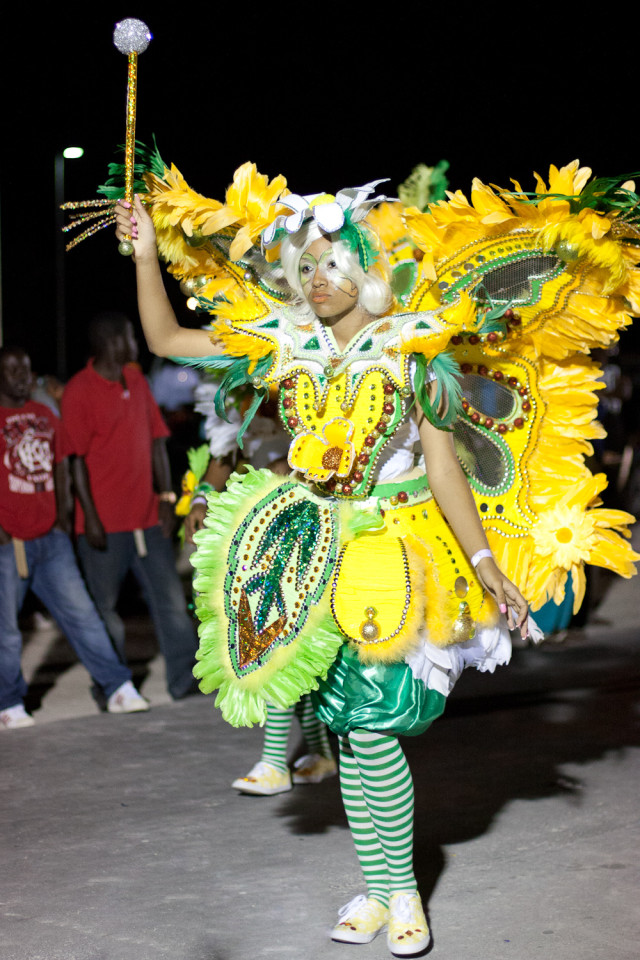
382	697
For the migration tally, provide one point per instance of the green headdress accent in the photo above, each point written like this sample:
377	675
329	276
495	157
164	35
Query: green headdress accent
360	241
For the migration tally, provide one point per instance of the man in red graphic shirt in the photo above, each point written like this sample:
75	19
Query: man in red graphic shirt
125	505
35	550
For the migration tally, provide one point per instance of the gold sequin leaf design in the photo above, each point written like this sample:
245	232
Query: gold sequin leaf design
251	641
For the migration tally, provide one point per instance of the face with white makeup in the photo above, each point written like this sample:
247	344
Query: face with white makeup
325	273
326	288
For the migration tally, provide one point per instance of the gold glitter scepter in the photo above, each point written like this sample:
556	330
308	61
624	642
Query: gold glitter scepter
131	37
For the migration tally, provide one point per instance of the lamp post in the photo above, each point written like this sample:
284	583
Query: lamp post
69	153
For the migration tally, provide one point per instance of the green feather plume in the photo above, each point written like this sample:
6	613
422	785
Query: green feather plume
198	460
424	185
147	159
236	374
448	389
359	241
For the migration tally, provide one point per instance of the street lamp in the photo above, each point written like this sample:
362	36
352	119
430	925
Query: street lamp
69	153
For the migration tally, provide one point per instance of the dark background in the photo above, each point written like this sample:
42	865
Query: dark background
328	96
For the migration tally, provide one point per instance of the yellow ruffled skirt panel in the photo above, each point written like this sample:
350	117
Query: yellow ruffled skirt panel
389	583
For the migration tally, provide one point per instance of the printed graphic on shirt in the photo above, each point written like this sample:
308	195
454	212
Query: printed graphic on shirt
29	452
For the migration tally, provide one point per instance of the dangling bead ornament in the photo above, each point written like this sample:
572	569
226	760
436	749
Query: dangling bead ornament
190	285
369	629
463	627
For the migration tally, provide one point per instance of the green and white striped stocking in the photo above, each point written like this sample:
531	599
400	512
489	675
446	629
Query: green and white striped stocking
278	725
276	735
378	796
370	854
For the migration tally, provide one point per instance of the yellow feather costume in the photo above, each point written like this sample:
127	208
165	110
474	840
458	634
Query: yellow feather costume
518	291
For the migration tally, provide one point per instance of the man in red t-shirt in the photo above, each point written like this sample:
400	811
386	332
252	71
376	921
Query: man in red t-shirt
124	515
35	550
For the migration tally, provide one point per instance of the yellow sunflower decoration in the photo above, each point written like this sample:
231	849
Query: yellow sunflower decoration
572	532
321	457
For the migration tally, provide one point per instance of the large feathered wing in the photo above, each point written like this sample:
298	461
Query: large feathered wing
536	282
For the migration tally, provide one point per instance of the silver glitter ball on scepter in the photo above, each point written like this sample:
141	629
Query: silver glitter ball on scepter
131	36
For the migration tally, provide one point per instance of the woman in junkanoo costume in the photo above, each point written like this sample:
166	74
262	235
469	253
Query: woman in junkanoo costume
359	533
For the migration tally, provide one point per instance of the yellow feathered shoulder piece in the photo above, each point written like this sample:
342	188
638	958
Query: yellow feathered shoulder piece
213	249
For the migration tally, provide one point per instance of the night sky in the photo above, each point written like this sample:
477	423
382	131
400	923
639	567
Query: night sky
327	101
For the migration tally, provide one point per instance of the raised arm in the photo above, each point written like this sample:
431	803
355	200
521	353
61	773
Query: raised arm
453	495
164	335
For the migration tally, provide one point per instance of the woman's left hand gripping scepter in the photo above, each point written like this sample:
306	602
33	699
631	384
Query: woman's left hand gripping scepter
131	37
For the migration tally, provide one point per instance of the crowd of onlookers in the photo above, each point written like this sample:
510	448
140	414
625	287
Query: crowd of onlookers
86	496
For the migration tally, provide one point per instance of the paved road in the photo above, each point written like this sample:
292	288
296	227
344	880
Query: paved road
123	841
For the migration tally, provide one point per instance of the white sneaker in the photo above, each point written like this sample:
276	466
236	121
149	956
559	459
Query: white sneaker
264	780
126	699
13	717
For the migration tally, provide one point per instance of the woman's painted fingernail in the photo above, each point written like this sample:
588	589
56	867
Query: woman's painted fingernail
125	203
133	220
503	608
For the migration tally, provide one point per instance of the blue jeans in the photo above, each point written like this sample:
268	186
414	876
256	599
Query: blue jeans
156	573
54	578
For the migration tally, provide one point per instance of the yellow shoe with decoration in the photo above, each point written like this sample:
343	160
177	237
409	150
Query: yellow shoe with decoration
264	780
408	931
360	920
314	768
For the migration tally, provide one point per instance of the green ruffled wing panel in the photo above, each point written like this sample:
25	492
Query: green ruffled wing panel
264	561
